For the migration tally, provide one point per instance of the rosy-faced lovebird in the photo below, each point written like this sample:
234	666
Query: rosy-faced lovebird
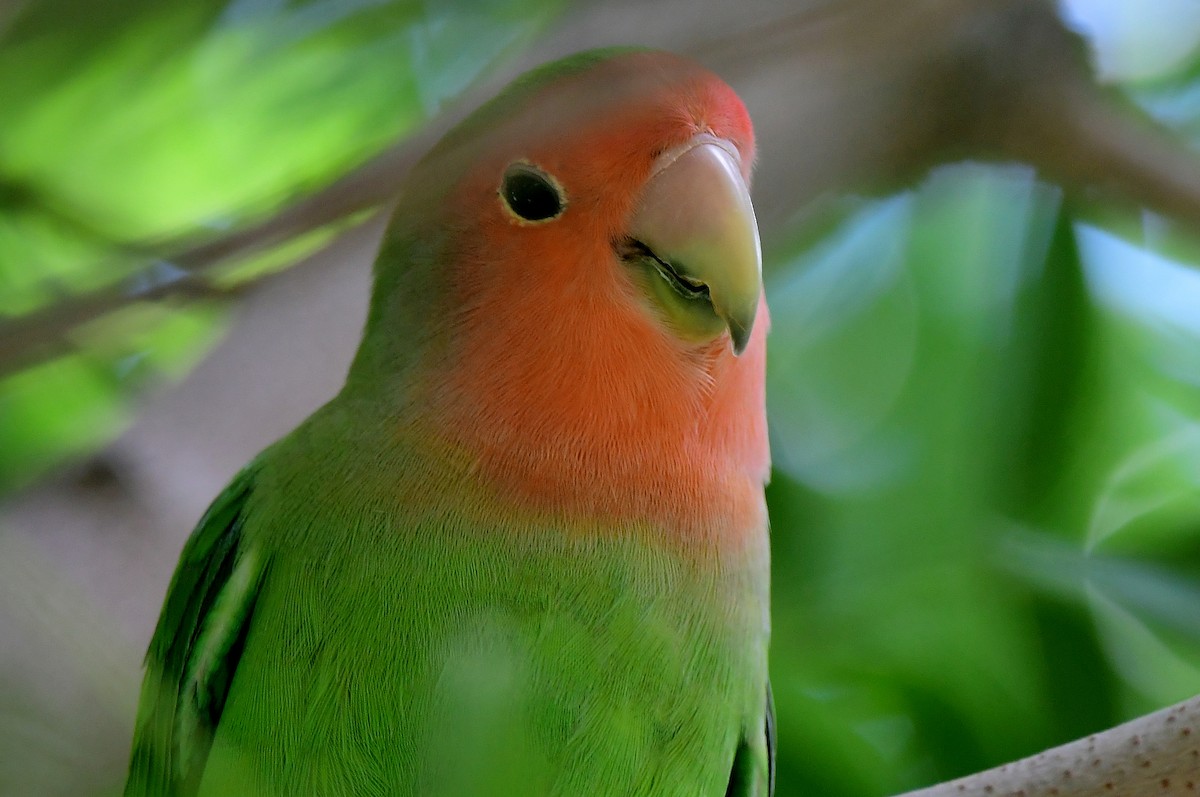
524	551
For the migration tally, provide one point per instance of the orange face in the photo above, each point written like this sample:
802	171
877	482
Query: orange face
600	271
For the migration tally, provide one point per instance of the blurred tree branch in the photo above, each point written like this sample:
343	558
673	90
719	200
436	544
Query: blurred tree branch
1158	754
31	338
939	80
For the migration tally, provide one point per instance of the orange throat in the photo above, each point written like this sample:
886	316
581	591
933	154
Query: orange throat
630	428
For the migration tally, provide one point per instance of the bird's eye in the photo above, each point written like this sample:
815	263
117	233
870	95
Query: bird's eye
531	193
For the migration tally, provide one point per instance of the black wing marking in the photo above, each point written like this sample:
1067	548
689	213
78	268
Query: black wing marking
745	775
770	732
195	650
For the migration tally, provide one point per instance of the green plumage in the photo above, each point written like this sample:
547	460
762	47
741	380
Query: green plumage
396	647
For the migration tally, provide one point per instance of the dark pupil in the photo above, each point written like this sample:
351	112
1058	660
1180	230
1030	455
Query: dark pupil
530	195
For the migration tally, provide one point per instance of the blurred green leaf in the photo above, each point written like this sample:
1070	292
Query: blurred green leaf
223	111
847	313
1159	672
943	360
1159	479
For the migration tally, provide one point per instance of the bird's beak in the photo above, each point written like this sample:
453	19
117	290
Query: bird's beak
697	226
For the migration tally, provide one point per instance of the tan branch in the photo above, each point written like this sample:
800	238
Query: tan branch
1154	756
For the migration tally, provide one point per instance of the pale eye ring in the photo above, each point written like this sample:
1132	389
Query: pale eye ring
531	194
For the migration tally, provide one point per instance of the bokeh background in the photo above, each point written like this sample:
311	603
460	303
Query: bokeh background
979	222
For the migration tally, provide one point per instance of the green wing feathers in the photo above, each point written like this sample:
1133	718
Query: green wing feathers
195	649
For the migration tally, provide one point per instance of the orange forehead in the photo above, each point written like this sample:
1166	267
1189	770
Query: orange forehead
601	120
623	112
